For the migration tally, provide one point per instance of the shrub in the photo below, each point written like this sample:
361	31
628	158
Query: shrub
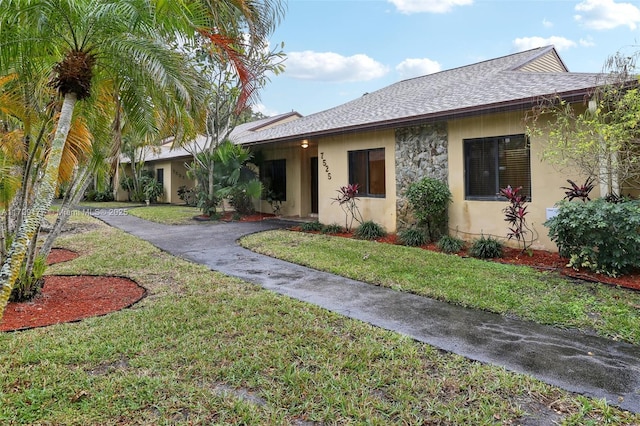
486	248
429	198
100	196
601	236
334	228
188	195
412	237
449	244
369	230
311	226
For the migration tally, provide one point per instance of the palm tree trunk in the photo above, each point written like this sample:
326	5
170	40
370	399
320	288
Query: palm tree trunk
72	197
44	197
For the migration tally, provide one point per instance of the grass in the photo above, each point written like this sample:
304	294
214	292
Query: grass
203	348
546	298
168	214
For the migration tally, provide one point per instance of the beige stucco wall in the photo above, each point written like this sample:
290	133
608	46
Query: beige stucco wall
471	218
298	203
174	178
333	173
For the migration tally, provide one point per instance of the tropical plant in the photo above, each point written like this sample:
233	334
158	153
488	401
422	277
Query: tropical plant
223	110
332	228
515	214
579	191
449	244
82	42
412	237
430	198
348	202
369	230
314	226
486	248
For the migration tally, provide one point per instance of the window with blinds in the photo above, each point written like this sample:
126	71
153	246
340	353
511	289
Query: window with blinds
367	169
495	163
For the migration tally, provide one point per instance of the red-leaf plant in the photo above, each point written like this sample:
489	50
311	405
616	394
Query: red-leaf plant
347	201
579	191
515	214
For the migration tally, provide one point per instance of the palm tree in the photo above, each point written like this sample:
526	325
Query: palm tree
127	41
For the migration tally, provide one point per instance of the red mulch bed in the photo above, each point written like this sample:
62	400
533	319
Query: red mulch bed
540	259
71	298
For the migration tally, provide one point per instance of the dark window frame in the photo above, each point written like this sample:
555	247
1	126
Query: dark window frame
365	188
494	155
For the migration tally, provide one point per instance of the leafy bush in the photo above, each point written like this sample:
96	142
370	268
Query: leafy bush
413	237
188	195
429	198
486	248
369	230
449	244
311	226
100	196
334	228
601	236
152	188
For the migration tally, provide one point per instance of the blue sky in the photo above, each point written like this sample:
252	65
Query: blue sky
338	50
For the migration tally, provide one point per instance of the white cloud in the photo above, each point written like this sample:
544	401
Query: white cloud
264	110
414	67
329	66
431	6
607	14
586	42
546	23
526	43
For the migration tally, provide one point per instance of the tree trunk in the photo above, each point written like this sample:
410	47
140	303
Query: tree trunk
44	196
72	197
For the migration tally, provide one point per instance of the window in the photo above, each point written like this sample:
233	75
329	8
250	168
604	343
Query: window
493	163
273	175
160	176
366	168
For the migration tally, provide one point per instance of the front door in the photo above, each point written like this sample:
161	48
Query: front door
314	185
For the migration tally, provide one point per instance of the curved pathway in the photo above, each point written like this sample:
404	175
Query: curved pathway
574	361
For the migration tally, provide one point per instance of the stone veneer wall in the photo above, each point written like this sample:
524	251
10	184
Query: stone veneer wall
420	152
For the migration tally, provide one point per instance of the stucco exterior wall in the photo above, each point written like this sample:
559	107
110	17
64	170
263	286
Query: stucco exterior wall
333	171
297	173
469	219
174	178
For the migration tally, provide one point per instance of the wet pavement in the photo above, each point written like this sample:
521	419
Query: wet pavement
585	364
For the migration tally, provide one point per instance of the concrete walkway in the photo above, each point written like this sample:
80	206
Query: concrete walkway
588	365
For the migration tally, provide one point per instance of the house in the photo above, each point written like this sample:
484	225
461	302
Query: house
464	126
169	164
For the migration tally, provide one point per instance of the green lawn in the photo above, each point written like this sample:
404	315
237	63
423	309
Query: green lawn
203	348
546	298
168	214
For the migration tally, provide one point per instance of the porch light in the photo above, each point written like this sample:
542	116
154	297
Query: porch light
305	143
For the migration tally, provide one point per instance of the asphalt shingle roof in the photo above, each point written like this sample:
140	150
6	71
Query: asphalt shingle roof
482	86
